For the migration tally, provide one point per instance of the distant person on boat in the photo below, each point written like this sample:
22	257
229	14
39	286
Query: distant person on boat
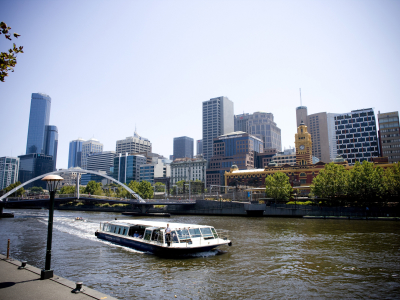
136	234
168	235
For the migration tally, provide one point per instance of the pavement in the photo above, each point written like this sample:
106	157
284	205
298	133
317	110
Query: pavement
26	284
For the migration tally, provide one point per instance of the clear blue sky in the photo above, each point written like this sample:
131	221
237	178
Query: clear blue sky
109	65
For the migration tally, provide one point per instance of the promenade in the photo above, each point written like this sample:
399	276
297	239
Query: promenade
26	284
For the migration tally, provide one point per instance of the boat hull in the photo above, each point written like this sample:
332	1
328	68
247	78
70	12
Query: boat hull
159	250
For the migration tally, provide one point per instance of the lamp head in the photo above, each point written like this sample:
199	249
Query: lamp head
52	181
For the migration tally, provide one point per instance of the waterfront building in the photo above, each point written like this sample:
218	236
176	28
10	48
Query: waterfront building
9	167
188	169
262	126
237	148
321	126
356	135
101	161
94	177
89	147
75	153
183	147
217	120
33	165
127	167
199	147
389	135
133	144
159	168
42	137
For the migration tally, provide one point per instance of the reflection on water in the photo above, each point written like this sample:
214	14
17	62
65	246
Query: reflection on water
270	258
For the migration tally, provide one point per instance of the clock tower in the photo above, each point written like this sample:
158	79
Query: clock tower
303	145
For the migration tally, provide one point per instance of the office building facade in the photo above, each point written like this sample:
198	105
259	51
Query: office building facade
9	167
188	169
89	147
33	165
101	161
236	148
199	147
183	147
217	120
127	167
356	135
389	135
75	153
52	143
262	126
158	169
133	144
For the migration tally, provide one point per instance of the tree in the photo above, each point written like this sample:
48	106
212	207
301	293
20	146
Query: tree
93	188
159	186
18	193
36	190
67	189
8	59
331	182
277	186
392	180
145	190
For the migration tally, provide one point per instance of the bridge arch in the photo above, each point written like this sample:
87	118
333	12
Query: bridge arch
73	171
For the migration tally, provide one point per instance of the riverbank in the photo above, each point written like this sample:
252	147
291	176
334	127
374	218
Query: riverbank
25	283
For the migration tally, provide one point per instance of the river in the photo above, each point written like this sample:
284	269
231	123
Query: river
271	258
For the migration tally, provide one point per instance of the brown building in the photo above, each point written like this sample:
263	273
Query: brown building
389	136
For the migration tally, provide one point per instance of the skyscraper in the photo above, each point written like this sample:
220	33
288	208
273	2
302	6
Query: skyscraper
356	135
183	147
39	118
262	126
52	143
133	144
89	147
199	147
217	120
75	153
9	167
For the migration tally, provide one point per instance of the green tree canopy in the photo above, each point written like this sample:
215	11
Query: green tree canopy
8	59
18	193
93	188
67	189
331	182
160	187
146	190
36	189
277	186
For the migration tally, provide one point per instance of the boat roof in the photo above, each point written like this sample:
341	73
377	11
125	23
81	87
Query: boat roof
155	224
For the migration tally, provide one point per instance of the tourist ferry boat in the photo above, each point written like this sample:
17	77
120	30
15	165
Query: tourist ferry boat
150	236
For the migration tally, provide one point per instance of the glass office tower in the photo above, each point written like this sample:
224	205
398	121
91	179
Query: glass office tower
51	143
75	153
38	120
183	147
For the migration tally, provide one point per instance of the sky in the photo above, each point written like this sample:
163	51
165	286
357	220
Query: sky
113	66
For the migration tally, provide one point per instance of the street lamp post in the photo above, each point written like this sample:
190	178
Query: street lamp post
52	183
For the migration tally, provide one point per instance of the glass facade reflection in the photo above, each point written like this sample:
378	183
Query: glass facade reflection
33	165
75	153
38	120
127	167
52	143
183	147
9	167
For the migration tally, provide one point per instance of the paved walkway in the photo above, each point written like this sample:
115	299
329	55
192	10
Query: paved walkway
26	284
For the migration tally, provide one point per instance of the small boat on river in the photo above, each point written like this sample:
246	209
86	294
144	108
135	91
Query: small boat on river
151	236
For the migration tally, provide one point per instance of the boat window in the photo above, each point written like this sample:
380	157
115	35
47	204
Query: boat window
207	234
174	237
119	230
161	237
195	232
183	235
124	231
154	236
214	232
147	235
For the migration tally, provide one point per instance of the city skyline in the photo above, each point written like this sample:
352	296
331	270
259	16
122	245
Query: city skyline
343	55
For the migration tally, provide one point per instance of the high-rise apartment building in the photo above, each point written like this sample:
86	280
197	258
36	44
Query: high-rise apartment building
262	126
356	135
75	153
101	161
389	135
236	148
199	147
9	167
217	120
321	126
133	144
89	147
183	147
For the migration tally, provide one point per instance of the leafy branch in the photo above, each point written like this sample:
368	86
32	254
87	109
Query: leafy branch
8	59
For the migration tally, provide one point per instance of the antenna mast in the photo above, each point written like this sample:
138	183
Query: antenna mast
301	103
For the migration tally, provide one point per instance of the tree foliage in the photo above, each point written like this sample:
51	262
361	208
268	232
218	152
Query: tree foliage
146	190
93	188
8	59
67	189
160	187
36	190
331	182
277	186
18	193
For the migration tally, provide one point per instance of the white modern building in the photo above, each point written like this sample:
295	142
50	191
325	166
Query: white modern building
133	144
89	147
9	167
156	169
188	169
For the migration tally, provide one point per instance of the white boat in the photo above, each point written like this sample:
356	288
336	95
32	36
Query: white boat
150	236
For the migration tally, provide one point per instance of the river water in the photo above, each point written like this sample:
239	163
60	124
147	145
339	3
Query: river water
271	258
